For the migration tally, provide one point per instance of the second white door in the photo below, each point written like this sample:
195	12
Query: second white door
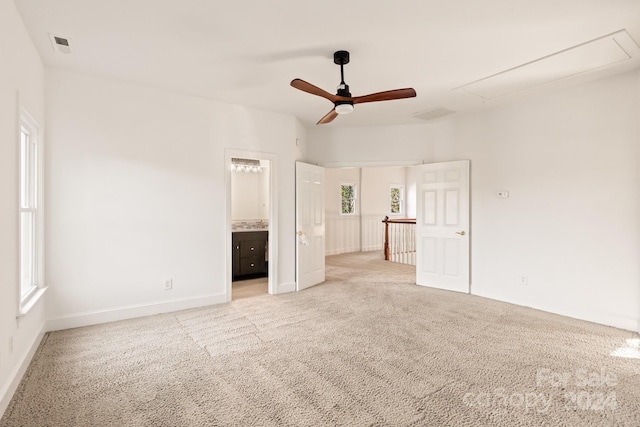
442	225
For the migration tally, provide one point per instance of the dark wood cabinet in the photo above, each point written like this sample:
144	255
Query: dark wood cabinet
249	254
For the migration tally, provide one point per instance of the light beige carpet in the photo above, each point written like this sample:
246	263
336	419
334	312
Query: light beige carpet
367	348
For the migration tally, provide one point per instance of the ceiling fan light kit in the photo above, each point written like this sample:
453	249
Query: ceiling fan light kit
342	101
345	108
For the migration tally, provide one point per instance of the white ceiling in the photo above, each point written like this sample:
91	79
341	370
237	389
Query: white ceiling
247	51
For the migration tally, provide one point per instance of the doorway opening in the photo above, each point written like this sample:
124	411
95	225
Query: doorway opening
357	200
439	195
251	224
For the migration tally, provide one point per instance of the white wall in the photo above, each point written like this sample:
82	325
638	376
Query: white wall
365	230
371	146
570	160
21	72
137	195
376	187
376	184
342	232
410	191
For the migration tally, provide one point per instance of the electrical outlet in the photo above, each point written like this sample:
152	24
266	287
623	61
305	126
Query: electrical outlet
523	280
168	284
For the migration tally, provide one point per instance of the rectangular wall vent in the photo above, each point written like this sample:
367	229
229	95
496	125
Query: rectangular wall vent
60	44
605	51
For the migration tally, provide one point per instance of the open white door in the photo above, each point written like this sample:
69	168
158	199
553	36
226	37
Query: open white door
442	225
309	225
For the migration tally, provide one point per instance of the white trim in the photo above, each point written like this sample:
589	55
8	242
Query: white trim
15	377
273	217
131	312
284	288
26	120
29	302
347	250
359	164
628	323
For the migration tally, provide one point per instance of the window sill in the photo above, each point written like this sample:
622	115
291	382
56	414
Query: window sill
27	305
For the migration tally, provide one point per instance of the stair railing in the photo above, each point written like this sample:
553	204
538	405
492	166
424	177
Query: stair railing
400	240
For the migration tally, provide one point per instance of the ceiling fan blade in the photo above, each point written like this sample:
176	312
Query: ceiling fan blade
385	96
328	117
314	90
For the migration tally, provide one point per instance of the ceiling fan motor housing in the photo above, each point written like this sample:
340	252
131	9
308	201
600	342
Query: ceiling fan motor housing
343	90
343	106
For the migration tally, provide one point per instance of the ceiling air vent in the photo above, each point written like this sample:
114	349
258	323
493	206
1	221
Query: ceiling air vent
436	113
60	44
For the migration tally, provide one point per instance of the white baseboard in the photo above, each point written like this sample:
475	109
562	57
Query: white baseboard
7	391
77	320
340	251
284	288
628	323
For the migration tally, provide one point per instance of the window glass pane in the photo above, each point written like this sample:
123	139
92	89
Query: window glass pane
348	198
29	141
27	252
396	199
33	172
348	206
24	169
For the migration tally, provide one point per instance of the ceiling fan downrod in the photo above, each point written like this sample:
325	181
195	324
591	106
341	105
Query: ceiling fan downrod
341	58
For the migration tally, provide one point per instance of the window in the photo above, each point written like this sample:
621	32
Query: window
348	194
396	199
29	210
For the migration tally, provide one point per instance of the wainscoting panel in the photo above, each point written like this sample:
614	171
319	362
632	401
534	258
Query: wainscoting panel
372	232
342	233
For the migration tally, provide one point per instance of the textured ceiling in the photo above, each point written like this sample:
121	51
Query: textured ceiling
247	51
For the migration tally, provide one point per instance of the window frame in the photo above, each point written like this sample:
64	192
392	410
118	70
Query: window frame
354	199
400	202
30	199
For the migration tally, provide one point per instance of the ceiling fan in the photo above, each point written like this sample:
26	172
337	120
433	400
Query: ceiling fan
343	101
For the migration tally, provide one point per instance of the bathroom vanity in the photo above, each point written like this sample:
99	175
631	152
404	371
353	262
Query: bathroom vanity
250	253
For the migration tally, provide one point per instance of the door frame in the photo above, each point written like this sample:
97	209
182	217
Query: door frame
273	217
409	163
370	164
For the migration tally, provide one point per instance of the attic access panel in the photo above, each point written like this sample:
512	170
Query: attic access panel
602	52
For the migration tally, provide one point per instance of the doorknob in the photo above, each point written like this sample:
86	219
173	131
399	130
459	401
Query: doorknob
462	233
303	238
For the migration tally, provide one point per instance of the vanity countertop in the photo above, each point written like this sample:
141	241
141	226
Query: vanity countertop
249	225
